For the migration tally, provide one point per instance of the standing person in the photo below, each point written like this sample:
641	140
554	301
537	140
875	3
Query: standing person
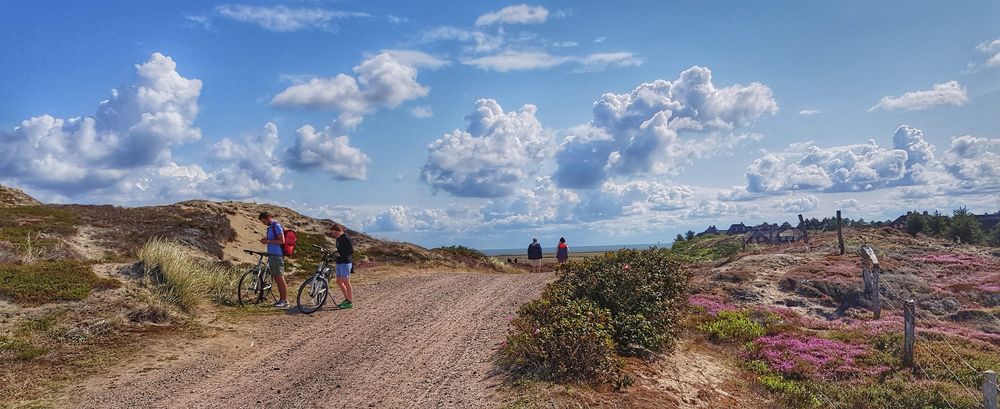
562	252
345	249
535	255
274	239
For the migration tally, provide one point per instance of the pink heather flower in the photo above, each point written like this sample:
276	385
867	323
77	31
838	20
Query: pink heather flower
710	303
811	356
626	267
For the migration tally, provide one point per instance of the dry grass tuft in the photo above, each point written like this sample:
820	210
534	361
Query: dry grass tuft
186	280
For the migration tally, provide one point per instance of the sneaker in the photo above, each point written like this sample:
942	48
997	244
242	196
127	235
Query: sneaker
281	304
344	305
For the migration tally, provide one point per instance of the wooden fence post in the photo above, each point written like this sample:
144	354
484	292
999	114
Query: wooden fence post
908	328
990	389
805	231
840	235
876	293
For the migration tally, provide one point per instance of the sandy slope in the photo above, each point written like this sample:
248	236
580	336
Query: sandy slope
418	341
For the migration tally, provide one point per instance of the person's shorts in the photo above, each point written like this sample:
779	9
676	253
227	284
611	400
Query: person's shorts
536	262
276	264
344	270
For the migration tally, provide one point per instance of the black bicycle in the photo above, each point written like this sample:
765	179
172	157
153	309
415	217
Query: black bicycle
256	284
314	292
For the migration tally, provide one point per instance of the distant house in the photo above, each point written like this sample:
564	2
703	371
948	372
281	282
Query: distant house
737	229
789	235
762	234
786	225
709	230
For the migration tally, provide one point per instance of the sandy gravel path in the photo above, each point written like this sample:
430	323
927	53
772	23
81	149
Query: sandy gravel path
419	341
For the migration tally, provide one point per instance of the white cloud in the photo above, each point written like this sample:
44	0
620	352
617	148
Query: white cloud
601	61
540	204
382	82
409	219
634	198
798	204
971	164
992	49
511	60
713	209
518	14
422	112
846	204
283	18
417	59
498	150
325	151
517	61
640	132
482	42
809	112
135	128
949	93
600	39
397	20
566	44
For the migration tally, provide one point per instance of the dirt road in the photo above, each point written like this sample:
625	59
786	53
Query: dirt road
420	341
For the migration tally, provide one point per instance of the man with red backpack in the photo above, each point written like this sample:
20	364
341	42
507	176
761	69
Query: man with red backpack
275	240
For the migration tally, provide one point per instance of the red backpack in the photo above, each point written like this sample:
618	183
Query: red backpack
288	248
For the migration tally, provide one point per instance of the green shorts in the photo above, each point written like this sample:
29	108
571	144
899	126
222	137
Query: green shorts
276	264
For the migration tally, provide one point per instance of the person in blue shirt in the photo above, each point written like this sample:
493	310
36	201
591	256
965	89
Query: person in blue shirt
274	239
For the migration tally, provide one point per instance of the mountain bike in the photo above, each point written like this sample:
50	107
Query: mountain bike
316	289
255	284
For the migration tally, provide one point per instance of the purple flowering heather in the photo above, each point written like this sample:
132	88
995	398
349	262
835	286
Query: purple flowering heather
710	303
811	357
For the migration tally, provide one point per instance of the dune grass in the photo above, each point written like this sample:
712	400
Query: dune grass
185	280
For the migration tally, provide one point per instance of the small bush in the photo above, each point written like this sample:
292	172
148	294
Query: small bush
186	281
623	302
307	257
48	281
13	349
460	252
556	337
732	326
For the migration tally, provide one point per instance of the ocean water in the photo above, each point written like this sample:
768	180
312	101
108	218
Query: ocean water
582	249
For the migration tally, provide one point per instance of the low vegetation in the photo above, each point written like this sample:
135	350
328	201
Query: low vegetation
184	280
709	247
48	281
618	304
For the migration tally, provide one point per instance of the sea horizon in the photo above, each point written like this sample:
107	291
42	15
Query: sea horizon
551	249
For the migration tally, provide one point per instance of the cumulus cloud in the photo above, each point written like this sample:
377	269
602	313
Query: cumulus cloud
641	131
975	162
532	206
714	209
633	198
410	219
480	42
846	204
518	14
798	204
949	93
135	128
970	164
327	152
382	82
809	112
283	18
496	151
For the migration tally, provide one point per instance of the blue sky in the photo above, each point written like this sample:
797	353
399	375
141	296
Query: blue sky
487	123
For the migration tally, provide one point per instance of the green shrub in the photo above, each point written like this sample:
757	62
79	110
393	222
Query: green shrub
47	281
732	326
644	290
185	280
557	337
460	252
306	256
622	302
778	384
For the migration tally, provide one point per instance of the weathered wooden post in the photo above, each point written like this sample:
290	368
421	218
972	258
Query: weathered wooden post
908	329
840	235
876	293
990	390
805	231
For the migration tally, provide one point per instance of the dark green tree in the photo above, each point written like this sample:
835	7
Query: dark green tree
689	235
965	227
914	223
679	238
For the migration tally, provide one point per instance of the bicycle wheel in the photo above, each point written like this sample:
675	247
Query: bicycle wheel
249	291
312	294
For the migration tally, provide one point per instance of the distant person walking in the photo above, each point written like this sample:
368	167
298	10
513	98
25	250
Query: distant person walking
535	255
274	239
562	252
345	251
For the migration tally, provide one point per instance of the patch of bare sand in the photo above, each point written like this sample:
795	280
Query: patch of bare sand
248	234
85	243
